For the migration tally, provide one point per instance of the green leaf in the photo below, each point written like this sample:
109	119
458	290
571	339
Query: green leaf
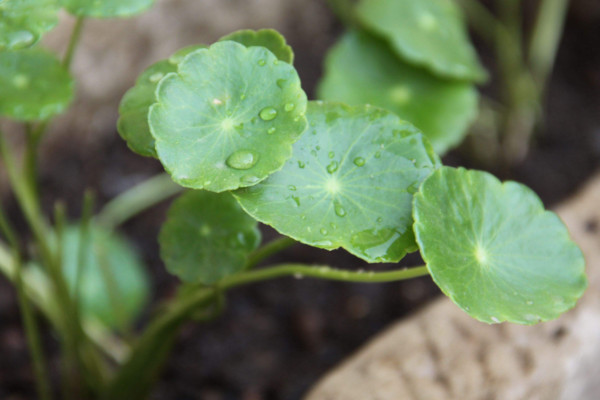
363	70
430	33
33	85
135	105
494	250
269	38
206	237
349	184
113	285
106	8
23	22
228	117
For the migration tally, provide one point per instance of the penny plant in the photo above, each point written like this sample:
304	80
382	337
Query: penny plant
242	145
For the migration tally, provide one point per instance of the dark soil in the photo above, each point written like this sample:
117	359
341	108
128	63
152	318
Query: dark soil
275	339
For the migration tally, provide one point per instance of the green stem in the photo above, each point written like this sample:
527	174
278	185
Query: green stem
135	377
321	272
137	199
273	247
545	39
30	325
480	19
73	42
31	157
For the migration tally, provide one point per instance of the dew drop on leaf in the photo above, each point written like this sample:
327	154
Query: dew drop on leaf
378	154
296	200
268	114
156	77
20	39
331	154
249	179
242	159
323	231
332	167
339	210
271	131
261	62
359	161
301	164
280	83
289	107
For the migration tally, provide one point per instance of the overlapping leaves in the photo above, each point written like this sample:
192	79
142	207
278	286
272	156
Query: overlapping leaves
348	184
23	22
429	33
362	70
228	117
206	237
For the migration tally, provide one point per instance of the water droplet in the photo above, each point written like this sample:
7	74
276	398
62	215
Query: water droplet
378	154
427	21
332	167
318	148
249	179
301	164
261	62
339	210
242	96
323	231
289	107
20	39
359	161
21	81
242	159
156	77
331	154
292	188
271	131
280	83
380	219
333	226
529	303
268	114
494	319
414	188
296	200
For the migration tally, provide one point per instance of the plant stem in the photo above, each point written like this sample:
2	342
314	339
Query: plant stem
545	39
321	272
481	19
273	247
137	199
30	325
73	42
135	377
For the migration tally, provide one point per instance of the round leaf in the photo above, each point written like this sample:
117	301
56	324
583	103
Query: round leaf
494	250
228	117
430	33
269	38
206	237
33	85
106	8
113	286
23	22
135	105
349	183
361	69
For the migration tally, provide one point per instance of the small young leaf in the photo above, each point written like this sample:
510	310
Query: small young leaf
269	38
228	117
135	105
206	237
113	285
361	69
430	33
106	8
33	85
349	183
494	250
23	22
